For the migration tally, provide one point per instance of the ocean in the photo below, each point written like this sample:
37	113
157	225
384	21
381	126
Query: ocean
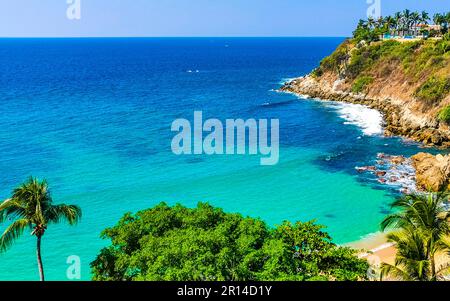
93	117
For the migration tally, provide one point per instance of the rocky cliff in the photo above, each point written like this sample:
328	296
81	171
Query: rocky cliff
432	172
408	82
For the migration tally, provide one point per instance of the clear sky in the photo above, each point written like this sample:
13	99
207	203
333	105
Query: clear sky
47	18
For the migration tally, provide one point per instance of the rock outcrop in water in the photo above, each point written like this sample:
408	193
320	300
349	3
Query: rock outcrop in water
394	171
409	83
432	172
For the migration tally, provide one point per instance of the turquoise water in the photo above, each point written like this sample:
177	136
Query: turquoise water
93	117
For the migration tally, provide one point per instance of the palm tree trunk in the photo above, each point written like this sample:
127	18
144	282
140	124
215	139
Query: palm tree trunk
39	259
433	267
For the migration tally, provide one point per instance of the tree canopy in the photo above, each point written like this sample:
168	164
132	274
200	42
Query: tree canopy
31	207
421	230
403	23
205	243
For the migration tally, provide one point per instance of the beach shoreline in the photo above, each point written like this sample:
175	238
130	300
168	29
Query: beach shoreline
375	248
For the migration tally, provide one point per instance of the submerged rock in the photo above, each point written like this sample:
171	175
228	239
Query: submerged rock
366	168
394	171
381	173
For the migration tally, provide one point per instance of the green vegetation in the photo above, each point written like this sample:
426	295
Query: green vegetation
443	20
444	114
415	57
422	230
359	61
381	56
178	243
31	207
401	24
434	90
361	84
336	62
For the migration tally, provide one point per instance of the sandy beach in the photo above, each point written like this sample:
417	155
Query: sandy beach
375	248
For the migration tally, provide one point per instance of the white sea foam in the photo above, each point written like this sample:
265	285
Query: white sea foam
287	80
402	177
369	120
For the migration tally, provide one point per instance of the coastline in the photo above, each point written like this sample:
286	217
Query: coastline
374	247
399	119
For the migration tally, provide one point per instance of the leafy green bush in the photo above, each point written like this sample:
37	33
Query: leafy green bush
434	90
418	58
335	62
444	114
424	61
443	46
364	34
204	243
358	64
361	84
365	59
317	72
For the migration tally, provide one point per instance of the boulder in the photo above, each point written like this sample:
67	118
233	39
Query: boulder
381	173
432	172
398	160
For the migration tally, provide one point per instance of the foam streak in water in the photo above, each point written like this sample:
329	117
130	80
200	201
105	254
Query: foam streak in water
369	120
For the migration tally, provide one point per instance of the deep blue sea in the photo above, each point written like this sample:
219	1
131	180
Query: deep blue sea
93	117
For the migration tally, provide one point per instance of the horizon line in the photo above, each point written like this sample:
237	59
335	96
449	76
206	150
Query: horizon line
165	37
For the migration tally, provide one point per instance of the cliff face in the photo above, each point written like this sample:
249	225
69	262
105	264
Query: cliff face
408	82
432	172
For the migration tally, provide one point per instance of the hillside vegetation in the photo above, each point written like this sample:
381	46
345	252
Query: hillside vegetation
424	66
417	69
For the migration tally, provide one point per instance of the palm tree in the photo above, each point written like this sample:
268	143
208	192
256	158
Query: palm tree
411	261
415	20
437	19
424	17
362	23
380	22
371	22
426	214
447	22
398	21
31	206
406	20
390	22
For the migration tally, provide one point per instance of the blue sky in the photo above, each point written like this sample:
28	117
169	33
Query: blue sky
47	18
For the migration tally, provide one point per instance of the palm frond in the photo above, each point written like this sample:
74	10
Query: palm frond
11	208
69	213
12	232
444	244
422	224
395	220
388	270
443	268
